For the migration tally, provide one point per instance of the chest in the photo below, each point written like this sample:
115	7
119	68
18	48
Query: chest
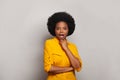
59	56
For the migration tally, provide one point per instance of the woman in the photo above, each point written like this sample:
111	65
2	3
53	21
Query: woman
61	57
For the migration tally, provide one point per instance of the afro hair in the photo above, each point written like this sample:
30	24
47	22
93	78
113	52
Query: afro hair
60	16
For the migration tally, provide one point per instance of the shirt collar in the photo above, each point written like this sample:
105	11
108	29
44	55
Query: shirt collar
56	39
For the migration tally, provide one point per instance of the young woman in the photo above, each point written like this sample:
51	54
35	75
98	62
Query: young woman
61	57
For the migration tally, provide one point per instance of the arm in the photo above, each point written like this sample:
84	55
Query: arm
74	61
56	69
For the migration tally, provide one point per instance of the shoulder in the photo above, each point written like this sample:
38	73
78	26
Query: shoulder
49	41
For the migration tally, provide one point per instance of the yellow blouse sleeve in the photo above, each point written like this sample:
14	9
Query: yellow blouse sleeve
76	54
47	56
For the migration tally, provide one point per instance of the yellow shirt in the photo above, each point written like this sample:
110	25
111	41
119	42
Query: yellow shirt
55	55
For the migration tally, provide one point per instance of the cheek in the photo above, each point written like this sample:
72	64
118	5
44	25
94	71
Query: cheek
66	32
56	32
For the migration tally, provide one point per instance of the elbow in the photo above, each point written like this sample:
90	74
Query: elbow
78	67
47	68
75	66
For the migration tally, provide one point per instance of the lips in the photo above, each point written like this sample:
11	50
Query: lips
61	35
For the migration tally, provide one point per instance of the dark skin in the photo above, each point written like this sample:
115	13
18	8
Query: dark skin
61	31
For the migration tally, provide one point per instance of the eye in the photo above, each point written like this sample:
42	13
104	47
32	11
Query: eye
65	28
57	28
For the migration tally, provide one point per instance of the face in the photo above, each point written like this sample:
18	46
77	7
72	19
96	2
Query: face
61	30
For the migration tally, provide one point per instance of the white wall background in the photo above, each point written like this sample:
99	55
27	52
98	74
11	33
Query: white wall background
23	30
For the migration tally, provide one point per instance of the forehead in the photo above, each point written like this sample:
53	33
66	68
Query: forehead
61	24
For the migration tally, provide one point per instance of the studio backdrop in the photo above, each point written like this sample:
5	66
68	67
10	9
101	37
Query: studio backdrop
23	30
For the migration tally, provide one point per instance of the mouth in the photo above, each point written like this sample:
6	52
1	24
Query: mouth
61	35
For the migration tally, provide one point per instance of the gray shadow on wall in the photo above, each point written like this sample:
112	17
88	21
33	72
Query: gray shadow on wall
42	73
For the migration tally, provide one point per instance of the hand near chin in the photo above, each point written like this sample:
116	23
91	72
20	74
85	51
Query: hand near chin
63	43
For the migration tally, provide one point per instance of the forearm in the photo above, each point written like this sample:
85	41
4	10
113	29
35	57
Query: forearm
74	61
56	69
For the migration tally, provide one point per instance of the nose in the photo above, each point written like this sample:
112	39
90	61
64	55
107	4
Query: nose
61	30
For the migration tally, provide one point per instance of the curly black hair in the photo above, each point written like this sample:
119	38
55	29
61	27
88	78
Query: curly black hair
60	16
